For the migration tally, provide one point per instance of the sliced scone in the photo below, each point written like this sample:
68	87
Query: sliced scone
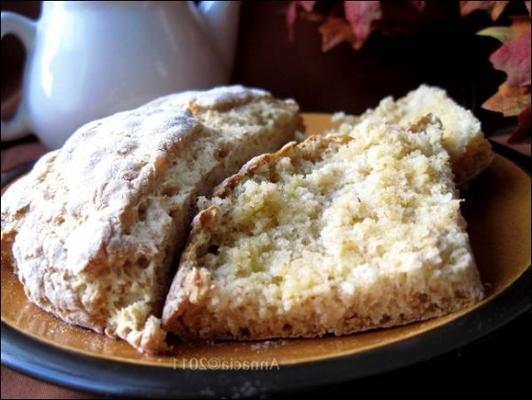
336	234
462	135
92	229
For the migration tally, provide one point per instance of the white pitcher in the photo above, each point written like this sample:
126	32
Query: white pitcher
88	59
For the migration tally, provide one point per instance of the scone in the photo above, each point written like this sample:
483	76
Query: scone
334	235
462	135
91	231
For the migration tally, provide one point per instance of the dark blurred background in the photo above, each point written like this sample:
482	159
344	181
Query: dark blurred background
445	52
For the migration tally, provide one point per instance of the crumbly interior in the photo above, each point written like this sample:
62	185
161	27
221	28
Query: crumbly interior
235	136
462	137
459	125
318	237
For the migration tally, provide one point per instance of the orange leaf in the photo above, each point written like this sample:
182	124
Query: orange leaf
334	31
509	100
520	25
495	8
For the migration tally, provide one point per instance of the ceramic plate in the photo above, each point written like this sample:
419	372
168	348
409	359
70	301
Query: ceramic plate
497	210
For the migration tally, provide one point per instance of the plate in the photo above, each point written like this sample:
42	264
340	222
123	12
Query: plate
497	209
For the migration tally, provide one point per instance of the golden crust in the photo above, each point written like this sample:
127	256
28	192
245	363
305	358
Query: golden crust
475	159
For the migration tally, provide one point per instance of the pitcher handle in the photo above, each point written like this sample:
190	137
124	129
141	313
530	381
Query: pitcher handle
24	29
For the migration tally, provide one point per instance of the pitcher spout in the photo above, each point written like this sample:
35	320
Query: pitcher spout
221	19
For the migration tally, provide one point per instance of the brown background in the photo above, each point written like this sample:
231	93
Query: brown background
445	52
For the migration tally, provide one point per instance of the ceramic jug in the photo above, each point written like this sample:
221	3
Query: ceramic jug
89	59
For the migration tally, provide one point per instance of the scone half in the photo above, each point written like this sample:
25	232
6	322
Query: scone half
92	230
334	235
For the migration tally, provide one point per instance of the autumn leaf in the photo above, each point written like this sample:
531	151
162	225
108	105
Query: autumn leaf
291	14
361	15
520	25
495	8
509	100
513	57
334	31
307	5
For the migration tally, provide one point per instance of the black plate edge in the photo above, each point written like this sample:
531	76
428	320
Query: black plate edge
519	159
61	367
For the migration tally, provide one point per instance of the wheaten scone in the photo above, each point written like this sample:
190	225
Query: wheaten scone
462	135
92	230
333	235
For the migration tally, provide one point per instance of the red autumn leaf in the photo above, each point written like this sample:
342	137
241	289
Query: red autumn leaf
307	5
361	15
524	126
509	100
495	8
513	57
334	31
291	14
418	5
